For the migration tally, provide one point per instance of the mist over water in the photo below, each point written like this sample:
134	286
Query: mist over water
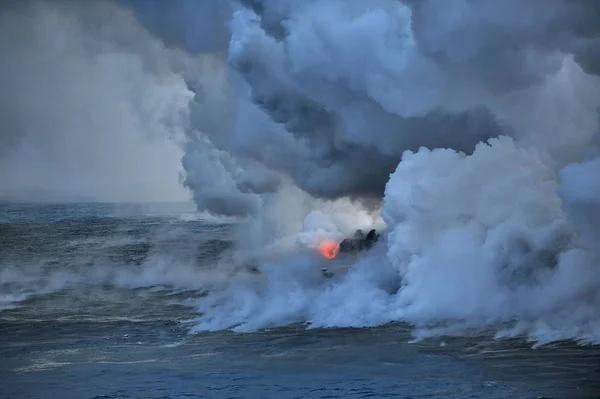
465	132
90	108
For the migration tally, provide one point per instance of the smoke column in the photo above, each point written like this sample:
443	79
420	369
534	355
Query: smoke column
476	120
328	94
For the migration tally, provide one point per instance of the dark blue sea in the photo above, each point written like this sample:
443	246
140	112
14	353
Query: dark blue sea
106	301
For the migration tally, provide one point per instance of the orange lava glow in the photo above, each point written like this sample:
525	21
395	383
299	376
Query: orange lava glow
329	249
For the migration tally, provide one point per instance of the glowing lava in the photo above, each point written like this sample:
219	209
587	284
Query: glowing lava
329	249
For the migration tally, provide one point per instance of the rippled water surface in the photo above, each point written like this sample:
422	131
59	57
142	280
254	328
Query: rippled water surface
98	301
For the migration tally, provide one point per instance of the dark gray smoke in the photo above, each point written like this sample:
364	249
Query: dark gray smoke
196	26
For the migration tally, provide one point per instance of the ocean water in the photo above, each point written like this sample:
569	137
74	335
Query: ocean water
112	301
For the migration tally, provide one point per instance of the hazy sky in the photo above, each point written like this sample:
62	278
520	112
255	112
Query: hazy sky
89	105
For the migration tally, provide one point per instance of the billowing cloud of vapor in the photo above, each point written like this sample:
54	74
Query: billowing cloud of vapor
91	107
331	92
475	122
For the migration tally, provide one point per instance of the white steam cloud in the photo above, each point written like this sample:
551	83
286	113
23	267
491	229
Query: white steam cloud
491	109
